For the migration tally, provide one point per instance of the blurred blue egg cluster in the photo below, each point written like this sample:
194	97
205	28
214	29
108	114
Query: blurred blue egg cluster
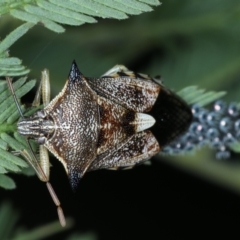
217	127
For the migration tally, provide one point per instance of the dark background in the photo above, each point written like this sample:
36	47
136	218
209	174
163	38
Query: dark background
188	43
145	203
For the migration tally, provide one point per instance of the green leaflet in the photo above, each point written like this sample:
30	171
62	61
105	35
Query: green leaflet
6	182
194	95
9	139
11	66
12	38
52	13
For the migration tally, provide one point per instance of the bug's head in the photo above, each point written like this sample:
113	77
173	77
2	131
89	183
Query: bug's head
36	126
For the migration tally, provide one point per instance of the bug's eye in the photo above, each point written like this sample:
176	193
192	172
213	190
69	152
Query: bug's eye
41	140
40	114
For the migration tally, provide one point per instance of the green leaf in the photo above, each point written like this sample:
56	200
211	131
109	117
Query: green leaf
11	66
6	182
28	17
6	163
52	13
2	170
7	104
120	6
235	147
151	2
135	5
3	145
14	36
10	140
10	61
53	16
13	159
101	9
66	12
193	95
13	117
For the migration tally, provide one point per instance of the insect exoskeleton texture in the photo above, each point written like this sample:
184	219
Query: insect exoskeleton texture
115	121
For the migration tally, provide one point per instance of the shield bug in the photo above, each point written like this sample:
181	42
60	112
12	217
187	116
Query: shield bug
102	123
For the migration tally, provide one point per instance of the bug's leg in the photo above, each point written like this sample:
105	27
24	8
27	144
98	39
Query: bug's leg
44	160
37	98
43	90
122	71
114	70
45	87
27	156
139	148
32	159
44	93
43	152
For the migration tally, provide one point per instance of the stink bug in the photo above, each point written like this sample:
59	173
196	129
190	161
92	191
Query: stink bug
102	123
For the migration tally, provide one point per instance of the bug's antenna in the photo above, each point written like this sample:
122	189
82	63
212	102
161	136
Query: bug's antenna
9	81
36	166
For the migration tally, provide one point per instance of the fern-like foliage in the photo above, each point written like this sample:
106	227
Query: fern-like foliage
12	66
194	95
10	140
53	13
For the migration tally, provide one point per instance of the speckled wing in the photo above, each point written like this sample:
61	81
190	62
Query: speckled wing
141	93
136	92
134	150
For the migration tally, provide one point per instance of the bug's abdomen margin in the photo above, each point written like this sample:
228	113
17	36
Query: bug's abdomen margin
173	117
